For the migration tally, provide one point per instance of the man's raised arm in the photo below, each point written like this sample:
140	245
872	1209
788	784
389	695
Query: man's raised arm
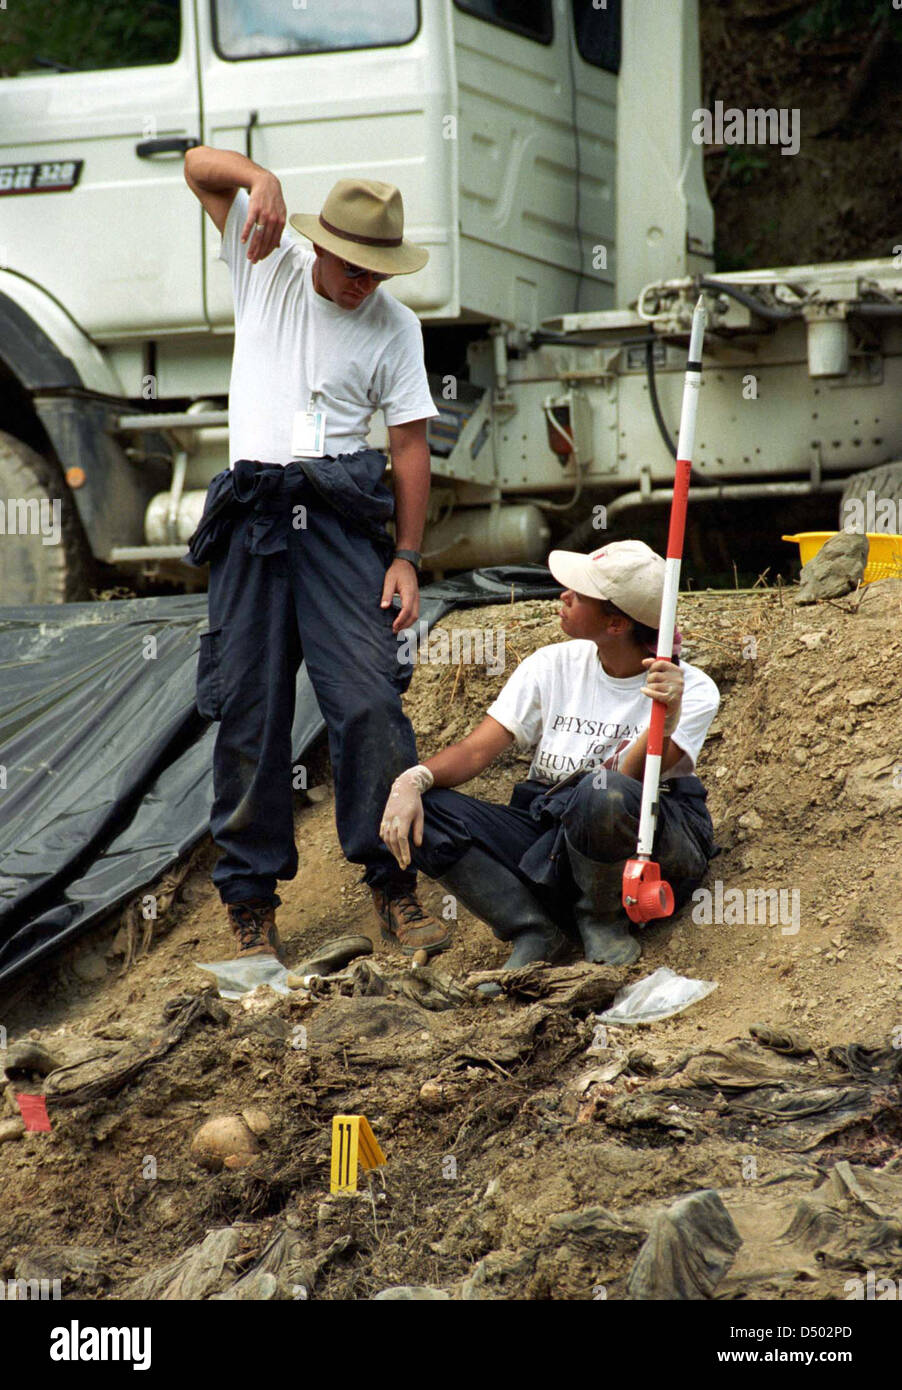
214	176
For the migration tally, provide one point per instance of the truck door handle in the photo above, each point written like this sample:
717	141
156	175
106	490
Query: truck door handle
173	144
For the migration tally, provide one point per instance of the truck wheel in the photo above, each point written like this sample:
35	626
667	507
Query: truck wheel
30	570
885	481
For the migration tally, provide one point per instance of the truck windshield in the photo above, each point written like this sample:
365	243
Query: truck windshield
261	28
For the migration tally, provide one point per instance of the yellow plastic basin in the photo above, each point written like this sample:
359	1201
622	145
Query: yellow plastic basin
884	555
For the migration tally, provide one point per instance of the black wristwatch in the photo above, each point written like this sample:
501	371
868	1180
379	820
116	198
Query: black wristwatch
413	556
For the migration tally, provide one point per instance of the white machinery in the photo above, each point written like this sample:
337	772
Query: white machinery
544	150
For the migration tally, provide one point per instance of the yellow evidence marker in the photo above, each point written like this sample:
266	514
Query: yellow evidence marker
353	1142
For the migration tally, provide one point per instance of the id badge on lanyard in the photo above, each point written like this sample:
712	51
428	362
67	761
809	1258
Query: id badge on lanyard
308	434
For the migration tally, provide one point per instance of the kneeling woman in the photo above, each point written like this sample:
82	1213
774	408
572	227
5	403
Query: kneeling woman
549	865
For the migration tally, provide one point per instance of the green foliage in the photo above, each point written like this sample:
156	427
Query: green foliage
827	18
724	261
743	165
87	34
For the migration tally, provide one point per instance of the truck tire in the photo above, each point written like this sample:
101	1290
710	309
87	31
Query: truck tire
30	571
885	481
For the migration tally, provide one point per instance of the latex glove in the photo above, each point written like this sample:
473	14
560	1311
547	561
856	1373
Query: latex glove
404	812
664	681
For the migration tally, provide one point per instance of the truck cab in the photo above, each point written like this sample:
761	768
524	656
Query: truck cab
545	152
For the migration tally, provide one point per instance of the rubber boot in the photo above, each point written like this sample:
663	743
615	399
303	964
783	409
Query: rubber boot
600	917
505	903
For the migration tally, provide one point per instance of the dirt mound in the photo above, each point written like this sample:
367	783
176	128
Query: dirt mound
838	66
529	1154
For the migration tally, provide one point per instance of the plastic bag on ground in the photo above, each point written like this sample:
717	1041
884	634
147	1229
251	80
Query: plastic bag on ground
657	996
237	977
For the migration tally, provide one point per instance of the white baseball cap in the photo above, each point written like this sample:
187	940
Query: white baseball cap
627	573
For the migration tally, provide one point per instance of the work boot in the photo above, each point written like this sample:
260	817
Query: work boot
600	916
254	926
404	923
506	904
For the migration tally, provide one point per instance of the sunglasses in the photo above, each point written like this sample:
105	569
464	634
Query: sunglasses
354	272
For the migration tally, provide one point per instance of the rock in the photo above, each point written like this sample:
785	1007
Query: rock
835	570
11	1129
89	968
865	696
751	821
226	1141
420	1293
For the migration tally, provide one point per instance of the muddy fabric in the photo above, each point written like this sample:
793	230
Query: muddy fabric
741	1065
801	1120
283	1270
853	1221
792	1103
102	1075
197	1273
872	1063
579	986
780	1040
689	1249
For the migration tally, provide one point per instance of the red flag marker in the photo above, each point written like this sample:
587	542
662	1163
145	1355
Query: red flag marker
33	1110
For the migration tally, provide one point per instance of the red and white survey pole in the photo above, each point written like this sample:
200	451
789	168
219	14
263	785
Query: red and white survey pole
645	894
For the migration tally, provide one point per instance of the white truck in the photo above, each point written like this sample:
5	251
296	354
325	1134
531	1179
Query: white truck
547	154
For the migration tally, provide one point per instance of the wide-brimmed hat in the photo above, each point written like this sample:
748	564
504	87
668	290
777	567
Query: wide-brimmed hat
628	574
363	222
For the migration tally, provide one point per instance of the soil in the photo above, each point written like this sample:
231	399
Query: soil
479	1196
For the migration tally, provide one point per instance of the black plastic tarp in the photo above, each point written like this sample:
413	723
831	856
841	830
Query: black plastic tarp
105	764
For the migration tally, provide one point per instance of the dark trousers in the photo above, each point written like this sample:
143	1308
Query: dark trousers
312	594
601	822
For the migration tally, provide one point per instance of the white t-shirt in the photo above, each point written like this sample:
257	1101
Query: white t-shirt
291	341
561	702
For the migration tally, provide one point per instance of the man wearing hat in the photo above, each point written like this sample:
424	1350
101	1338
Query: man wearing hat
553	859
301	563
